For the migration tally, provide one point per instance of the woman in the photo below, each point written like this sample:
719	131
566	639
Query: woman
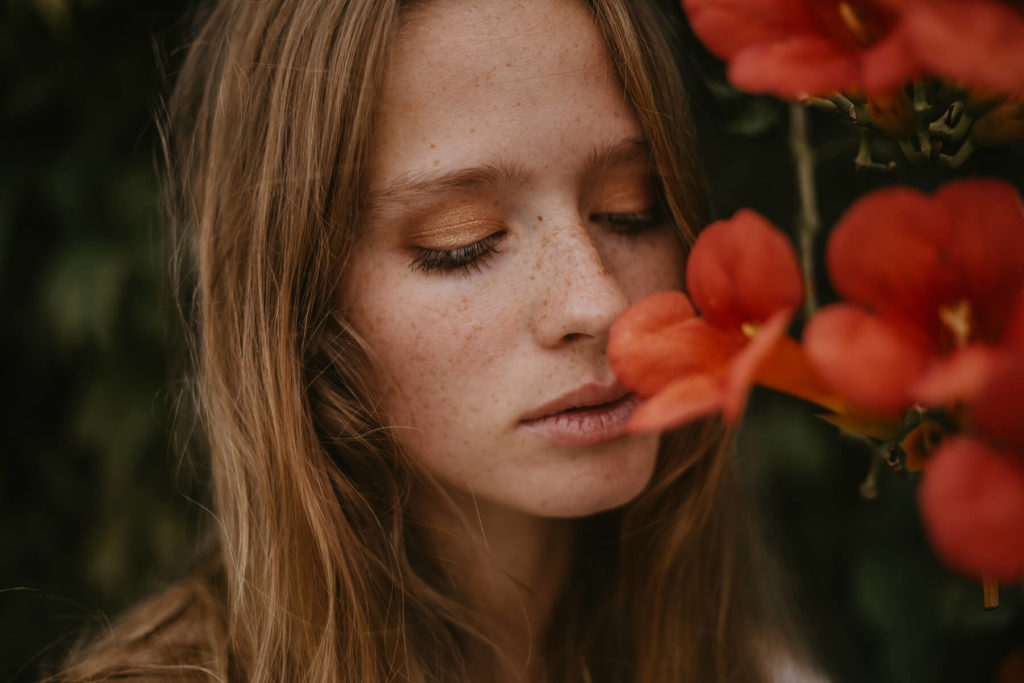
406	230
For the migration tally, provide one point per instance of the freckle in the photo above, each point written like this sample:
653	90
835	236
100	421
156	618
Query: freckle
472	130
508	63
437	162
432	146
540	219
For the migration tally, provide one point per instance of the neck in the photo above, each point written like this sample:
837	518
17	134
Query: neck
510	566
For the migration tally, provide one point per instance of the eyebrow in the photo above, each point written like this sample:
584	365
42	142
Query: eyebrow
416	185
630	150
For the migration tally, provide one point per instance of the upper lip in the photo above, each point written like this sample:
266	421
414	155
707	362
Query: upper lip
587	396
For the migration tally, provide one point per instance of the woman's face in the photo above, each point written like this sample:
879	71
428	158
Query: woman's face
512	218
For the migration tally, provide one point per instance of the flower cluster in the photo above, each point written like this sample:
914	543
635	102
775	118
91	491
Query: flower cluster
931	326
792	48
856	58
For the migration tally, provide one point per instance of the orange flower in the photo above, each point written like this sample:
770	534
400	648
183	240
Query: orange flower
743	276
924	277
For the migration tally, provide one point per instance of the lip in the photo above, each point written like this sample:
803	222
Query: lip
591	415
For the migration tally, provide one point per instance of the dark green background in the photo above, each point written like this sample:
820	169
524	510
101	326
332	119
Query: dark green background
95	503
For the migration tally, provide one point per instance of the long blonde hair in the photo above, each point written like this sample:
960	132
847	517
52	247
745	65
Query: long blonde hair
317	573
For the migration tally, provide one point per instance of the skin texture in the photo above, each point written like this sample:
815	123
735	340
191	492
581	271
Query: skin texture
490	122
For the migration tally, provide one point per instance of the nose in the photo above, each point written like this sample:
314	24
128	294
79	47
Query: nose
578	297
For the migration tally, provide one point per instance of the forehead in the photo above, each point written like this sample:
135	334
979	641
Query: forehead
471	80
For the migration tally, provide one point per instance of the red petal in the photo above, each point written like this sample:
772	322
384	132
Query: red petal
987	248
657	340
729	26
802	65
682	401
978	42
961	376
871	361
1012	669
1014	338
1001	124
890	64
972	503
886	253
746	363
998	409
743	270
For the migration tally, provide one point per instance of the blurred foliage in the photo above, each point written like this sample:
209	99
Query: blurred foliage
93	515
96	511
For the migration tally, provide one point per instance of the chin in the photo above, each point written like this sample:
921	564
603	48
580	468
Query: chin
605	478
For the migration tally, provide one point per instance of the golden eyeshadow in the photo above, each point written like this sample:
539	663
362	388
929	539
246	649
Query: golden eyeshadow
624	197
624	188
453	227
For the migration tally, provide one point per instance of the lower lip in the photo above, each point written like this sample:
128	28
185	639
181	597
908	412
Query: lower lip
587	427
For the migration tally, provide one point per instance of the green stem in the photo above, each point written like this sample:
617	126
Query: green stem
864	162
808	221
921	110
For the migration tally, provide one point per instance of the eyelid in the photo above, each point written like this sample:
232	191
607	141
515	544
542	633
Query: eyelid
453	225
466	258
447	236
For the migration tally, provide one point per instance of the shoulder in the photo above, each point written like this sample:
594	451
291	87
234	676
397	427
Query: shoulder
784	668
177	635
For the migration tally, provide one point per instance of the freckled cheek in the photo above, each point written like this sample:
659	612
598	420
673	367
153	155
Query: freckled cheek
440	353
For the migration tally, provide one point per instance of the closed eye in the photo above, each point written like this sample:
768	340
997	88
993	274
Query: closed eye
634	222
464	259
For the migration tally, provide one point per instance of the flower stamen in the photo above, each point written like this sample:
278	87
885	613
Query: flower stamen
956	318
855	23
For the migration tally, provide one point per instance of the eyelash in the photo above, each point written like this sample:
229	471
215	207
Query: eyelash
631	223
473	256
466	259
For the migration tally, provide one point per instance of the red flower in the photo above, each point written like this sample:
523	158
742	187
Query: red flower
972	499
936	286
972	504
985	381
1011	670
1002	123
975	42
743	276
792	48
925	276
